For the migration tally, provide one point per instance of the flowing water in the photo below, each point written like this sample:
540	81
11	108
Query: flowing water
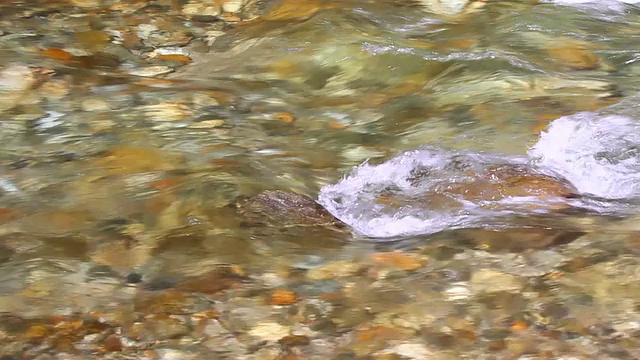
597	152
483	157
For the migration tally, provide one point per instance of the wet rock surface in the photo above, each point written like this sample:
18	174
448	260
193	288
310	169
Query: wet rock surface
285	209
510	181
160	161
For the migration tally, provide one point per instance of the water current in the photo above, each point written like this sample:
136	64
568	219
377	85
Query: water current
597	152
319	179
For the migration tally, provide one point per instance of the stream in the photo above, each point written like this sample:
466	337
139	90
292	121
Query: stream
482	159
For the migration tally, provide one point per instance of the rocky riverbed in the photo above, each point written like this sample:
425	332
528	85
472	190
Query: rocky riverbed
206	179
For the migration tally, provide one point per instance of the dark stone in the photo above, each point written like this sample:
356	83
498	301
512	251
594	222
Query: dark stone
9	357
20	164
294	340
134	278
5	253
285	209
160	284
101	271
212	282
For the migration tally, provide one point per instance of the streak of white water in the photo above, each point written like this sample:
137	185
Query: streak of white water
600	2
603	5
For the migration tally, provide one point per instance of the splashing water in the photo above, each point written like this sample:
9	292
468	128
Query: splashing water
594	2
598	153
602	5
415	193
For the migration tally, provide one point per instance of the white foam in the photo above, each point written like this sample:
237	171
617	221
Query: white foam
595	3
603	5
598	154
356	199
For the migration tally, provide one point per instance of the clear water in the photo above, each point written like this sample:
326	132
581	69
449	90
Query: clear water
116	160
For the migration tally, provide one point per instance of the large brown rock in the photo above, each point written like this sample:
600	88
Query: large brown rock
491	188
504	181
285	209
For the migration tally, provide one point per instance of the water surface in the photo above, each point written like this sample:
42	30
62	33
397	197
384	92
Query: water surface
128	131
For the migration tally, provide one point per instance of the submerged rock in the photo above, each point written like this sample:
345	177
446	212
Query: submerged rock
285	209
494	281
504	181
16	83
430	190
494	188
500	87
497	189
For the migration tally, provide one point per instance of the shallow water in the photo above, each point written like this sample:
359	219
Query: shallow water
596	152
129	130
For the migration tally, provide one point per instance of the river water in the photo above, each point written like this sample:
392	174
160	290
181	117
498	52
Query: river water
597	152
129	130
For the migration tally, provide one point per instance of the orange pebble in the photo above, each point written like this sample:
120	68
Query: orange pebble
164	183
397	260
175	57
36	332
205	315
285	117
57	54
283	297
112	344
519	326
555	275
337	125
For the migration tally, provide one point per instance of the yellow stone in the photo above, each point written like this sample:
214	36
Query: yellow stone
298	10
131	160
120	255
575	55
398	260
93	40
